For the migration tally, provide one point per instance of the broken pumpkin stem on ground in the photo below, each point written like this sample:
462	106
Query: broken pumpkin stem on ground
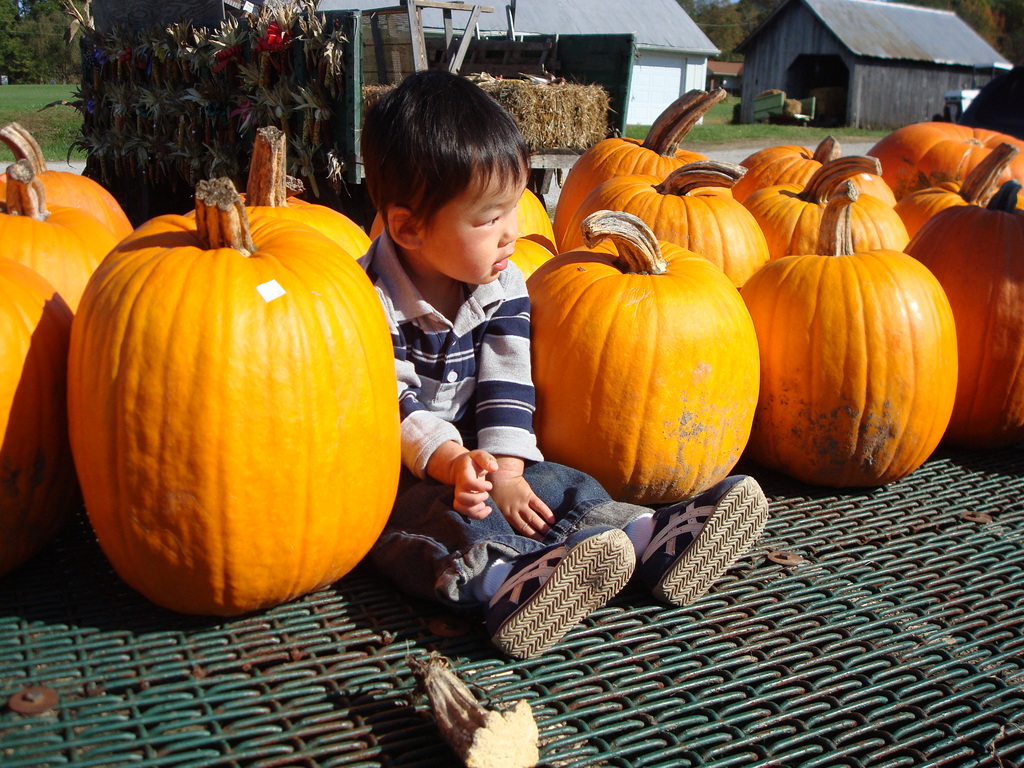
481	737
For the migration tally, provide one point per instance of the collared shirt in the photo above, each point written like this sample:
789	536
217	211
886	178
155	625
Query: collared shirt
467	380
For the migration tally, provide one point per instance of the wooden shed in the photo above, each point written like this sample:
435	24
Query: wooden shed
868	64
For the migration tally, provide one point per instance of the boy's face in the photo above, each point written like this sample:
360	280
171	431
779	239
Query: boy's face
472	236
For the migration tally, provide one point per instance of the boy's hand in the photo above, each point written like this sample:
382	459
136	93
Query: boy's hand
522	508
468	474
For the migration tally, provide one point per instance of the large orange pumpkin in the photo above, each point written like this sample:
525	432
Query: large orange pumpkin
657	155
232	409
923	155
977	189
268	194
790	215
38	488
62	244
64	188
790	164
977	253
858	360
692	208
645	364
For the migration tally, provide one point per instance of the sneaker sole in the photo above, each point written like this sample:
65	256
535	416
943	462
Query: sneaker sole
583	581
737	522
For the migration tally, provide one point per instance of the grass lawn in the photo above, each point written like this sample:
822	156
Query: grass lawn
54	128
717	128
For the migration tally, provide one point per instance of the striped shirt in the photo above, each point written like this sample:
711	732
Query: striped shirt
467	380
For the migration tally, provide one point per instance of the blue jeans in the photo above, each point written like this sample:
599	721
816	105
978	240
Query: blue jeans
431	551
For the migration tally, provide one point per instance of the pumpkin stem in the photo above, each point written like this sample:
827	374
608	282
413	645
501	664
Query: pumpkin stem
702	173
639	252
679	117
23	145
835	233
26	195
824	181
981	183
1005	199
267	185
828	149
220	217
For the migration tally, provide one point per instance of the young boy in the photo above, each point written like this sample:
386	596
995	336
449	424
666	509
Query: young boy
482	523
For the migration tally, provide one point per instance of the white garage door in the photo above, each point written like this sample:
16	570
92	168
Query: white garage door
657	82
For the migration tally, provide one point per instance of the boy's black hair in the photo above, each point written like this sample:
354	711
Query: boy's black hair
425	141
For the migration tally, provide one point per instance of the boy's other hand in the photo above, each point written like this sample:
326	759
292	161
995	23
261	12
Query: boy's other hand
468	474
524	510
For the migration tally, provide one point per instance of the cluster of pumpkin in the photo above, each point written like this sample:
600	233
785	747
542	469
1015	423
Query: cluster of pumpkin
190	379
694	311
878	310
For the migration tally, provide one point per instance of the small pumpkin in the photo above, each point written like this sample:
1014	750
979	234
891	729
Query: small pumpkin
656	155
692	208
64	188
790	215
858	360
977	254
38	488
534	221
529	255
923	155
977	189
231	408
269	192
64	245
644	361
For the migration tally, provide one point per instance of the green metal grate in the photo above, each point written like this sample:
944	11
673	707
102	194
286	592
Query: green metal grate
898	641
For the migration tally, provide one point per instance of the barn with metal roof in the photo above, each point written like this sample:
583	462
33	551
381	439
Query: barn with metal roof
662	50
868	64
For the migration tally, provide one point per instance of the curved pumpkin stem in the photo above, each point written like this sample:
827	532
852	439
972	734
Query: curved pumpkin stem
23	145
267	184
828	149
1005	199
823	183
678	118
981	183
221	220
835	233
702	173
26	195
639	252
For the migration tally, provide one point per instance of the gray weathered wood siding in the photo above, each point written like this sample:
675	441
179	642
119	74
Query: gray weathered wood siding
888	94
140	14
767	60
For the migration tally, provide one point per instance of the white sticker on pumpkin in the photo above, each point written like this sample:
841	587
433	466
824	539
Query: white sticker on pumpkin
270	290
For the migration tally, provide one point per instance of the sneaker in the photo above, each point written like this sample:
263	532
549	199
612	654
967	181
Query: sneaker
694	542
550	591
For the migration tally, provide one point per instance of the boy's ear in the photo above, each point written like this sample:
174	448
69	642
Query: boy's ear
404	229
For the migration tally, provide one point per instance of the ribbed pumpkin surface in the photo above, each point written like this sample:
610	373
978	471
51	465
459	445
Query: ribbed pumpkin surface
646	381
38	489
858	366
234	451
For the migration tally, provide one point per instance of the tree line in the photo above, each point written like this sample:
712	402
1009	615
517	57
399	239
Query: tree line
36	47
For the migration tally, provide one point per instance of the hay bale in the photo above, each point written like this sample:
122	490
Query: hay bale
562	115
550	115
